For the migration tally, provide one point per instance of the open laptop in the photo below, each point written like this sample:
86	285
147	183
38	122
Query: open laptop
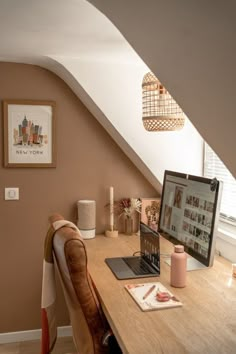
145	265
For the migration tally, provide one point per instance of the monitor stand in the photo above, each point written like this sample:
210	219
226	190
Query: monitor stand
192	264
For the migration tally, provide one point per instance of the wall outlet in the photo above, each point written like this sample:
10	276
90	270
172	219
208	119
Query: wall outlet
12	193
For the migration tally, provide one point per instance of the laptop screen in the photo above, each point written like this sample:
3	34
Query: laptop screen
150	245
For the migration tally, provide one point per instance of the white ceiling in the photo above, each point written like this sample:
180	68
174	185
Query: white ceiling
191	47
49	32
32	28
36	30
72	39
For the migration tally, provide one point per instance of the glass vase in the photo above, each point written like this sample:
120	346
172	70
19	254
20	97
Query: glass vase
128	225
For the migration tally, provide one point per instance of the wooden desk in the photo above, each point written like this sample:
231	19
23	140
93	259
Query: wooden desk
205	324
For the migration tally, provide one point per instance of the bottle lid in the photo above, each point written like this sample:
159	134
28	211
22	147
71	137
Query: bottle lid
179	249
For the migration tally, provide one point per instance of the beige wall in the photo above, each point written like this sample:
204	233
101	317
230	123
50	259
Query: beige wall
88	162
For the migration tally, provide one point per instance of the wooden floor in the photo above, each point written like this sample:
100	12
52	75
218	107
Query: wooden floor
64	345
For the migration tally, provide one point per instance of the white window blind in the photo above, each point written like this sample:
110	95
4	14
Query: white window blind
214	167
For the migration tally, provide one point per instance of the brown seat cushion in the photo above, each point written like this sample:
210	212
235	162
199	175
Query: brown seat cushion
87	319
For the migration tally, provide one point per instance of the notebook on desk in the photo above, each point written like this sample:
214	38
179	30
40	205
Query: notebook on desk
145	265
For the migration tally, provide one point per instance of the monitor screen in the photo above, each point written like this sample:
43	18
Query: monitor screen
189	214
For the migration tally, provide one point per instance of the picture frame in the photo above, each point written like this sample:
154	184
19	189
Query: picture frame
29	133
150	211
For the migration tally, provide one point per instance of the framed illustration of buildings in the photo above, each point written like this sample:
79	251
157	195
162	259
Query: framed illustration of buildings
150	211
29	133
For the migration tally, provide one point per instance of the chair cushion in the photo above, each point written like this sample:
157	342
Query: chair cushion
87	319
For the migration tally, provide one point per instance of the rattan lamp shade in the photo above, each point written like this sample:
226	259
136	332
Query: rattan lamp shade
160	110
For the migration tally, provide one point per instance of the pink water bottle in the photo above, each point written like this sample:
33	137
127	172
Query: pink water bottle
178	267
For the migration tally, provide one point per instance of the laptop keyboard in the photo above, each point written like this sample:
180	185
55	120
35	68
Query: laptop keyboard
139	266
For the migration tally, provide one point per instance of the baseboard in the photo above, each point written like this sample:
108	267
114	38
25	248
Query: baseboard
34	334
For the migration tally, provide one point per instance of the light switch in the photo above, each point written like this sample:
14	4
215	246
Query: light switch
12	193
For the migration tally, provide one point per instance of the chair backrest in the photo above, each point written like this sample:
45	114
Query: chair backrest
87	319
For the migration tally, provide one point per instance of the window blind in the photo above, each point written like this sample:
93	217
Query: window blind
214	167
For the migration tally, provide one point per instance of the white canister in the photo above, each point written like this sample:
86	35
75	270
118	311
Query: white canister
87	218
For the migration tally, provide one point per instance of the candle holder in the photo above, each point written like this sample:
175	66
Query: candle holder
111	233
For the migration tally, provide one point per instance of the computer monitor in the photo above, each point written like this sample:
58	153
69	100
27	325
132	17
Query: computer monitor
189	215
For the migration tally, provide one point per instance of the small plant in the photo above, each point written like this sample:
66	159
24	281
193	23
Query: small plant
127	206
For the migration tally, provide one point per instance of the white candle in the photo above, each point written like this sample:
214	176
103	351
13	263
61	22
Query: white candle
234	270
111	208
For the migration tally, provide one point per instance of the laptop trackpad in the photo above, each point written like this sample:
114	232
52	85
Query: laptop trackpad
119	268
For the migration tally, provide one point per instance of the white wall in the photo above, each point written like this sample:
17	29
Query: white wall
226	241
115	86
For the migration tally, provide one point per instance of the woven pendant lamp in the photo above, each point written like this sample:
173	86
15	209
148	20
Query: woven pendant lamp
160	111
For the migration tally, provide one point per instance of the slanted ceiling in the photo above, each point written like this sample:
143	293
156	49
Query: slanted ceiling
191	47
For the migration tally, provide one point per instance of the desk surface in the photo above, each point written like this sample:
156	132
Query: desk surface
205	324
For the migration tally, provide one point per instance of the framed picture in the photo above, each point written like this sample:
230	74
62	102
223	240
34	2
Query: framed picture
29	133
150	211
